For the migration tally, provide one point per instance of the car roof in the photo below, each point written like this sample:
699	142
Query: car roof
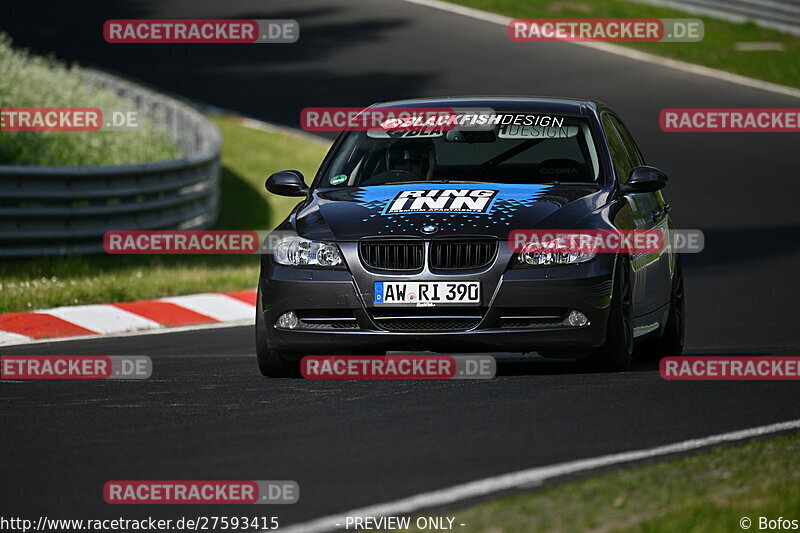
567	106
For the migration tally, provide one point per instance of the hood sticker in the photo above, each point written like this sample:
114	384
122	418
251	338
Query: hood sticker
441	201
503	205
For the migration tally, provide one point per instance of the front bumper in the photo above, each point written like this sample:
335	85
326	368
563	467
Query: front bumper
356	326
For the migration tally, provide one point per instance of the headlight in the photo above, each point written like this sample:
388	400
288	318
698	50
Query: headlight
555	252
297	251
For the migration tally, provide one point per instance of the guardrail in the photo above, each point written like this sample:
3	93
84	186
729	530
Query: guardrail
66	210
780	15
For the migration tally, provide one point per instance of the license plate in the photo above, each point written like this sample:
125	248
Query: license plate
427	292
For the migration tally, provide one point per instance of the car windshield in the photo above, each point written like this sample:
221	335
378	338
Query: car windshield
562	152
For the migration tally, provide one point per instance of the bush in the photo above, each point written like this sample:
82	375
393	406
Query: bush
32	81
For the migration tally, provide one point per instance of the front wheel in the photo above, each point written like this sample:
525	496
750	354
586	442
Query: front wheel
671	342
616	353
274	365
270	362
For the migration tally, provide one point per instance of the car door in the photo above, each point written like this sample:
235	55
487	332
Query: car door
651	209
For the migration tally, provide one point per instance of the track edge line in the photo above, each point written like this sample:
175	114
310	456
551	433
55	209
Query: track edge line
531	477
629	53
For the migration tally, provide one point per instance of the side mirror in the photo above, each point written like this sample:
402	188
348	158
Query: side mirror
644	179
287	183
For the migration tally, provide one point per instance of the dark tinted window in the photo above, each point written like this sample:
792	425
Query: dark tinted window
627	140
619	154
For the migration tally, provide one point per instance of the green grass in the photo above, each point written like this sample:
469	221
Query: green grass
706	493
248	157
716	50
32	81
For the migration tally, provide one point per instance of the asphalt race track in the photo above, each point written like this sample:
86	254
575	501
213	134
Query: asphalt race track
207	414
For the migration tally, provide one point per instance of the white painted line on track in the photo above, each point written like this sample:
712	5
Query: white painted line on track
622	51
528	478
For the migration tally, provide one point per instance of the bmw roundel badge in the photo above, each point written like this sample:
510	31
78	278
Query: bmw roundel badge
429	229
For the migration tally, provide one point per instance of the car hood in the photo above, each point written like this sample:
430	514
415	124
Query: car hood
441	210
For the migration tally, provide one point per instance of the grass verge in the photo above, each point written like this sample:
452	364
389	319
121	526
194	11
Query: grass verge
717	50
248	156
32	81
707	493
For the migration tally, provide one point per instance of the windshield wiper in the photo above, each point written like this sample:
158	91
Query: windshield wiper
418	181
505	156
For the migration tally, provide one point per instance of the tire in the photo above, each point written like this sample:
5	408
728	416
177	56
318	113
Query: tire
270	362
671	342
616	353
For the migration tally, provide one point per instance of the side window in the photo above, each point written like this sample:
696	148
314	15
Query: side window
627	140
619	155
